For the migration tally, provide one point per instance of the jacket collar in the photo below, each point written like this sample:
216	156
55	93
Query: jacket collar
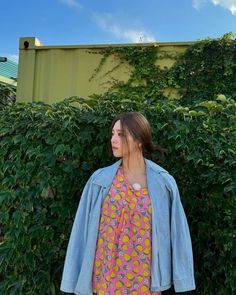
106	175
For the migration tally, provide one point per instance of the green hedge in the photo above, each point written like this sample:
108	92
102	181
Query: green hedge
7	95
47	153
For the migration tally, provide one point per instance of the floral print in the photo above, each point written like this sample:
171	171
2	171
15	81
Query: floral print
123	253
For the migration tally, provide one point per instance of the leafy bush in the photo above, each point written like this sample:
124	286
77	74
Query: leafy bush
7	95
47	153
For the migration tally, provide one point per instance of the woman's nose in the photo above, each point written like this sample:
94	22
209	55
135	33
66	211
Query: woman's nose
113	138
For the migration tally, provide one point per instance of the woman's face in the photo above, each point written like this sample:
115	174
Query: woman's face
118	142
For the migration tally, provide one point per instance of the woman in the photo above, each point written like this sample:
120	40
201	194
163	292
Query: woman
130	234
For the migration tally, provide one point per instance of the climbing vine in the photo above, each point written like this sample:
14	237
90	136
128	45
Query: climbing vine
206	69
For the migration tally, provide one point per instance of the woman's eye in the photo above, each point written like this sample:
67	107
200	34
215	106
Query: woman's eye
118	133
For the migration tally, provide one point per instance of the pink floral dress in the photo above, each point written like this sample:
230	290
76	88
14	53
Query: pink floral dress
123	253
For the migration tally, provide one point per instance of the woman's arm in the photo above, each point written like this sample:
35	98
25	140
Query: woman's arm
182	255
77	241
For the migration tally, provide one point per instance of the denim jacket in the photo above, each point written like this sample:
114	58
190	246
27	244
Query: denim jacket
172	257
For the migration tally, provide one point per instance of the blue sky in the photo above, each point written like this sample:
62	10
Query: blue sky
72	22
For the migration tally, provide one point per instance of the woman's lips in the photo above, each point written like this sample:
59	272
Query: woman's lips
114	148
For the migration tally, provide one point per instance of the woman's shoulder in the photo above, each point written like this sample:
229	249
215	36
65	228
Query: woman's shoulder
104	175
159	171
155	167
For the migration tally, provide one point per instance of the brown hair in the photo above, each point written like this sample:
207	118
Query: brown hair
139	128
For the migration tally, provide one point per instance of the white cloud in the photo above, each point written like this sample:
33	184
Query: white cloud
228	4
197	4
72	3
107	22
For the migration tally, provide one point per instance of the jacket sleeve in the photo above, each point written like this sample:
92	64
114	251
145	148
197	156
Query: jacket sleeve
77	241
182	255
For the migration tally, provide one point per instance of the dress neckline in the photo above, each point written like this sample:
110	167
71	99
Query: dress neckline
120	169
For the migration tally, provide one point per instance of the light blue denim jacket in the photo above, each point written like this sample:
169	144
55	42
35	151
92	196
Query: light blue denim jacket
172	257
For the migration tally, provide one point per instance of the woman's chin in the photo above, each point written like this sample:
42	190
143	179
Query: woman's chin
116	154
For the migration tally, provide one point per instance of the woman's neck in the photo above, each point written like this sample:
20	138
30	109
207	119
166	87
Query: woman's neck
134	164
